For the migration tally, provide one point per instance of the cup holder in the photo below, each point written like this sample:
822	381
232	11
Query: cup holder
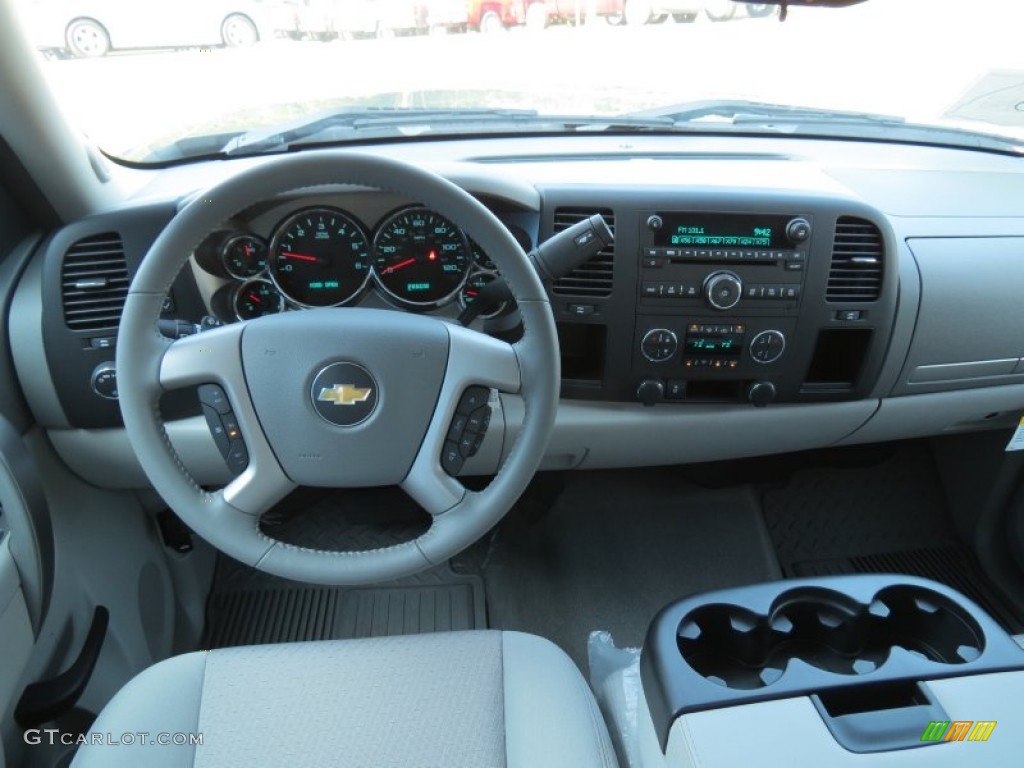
807	637
737	648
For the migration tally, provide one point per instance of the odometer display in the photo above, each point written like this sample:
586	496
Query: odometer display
320	258
420	258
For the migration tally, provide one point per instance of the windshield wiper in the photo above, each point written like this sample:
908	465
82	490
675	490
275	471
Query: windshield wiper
380	122
740	116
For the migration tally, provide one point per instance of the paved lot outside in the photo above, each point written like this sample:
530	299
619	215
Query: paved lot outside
915	58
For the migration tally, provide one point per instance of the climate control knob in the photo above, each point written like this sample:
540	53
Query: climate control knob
659	345
767	346
723	290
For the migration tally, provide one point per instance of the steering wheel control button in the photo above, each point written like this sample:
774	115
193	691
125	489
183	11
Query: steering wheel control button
473	398
213	396
458	426
237	457
659	345
479	420
451	458
216	426
104	381
344	394
767	346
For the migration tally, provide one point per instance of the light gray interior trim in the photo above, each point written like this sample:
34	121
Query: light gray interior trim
959	371
909	298
900	418
165	698
540	680
965	284
790	732
28	350
105	458
33	124
600	435
15	629
493	181
27	516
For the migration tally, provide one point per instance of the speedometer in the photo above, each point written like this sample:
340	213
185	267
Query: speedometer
319	258
420	258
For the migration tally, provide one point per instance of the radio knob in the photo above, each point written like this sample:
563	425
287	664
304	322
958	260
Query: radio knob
723	290
654	222
650	391
798	230
658	345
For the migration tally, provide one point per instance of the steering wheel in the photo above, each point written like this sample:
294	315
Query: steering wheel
275	369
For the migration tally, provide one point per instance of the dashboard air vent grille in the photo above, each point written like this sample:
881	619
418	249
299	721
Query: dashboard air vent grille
593	278
94	283
857	261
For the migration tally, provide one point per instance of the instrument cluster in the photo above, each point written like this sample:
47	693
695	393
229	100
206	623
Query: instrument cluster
322	256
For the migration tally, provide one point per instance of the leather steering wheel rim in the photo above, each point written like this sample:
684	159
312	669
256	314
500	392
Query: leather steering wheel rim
148	364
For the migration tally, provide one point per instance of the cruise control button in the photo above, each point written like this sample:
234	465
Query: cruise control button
458	426
213	421
213	395
238	457
231	428
472	399
451	458
466	443
479	420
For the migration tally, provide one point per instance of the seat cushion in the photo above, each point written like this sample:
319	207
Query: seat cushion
473	699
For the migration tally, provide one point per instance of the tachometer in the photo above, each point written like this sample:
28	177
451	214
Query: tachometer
420	258
320	257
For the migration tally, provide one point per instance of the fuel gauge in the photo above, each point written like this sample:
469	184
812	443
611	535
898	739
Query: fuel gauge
471	290
256	298
244	255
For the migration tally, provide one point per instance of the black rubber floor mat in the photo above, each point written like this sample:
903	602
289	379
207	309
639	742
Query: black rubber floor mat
952	565
888	518
247	606
825	513
290	611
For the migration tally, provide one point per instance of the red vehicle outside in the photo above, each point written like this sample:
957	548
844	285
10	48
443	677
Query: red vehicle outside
495	15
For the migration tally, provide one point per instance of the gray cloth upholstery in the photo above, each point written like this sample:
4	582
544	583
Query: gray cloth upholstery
451	700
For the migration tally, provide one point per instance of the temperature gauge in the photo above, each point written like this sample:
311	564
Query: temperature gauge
257	298
244	256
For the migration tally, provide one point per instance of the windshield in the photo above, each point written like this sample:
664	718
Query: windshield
166	80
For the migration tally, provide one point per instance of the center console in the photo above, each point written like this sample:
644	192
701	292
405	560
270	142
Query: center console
868	670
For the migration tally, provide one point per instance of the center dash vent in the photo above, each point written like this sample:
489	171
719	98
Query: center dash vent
593	278
857	261
94	283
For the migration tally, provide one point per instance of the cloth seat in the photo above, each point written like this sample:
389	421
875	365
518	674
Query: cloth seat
447	700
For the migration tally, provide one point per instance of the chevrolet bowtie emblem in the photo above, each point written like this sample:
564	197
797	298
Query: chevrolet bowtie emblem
345	394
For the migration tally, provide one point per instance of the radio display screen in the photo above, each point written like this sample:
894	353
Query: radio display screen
721	230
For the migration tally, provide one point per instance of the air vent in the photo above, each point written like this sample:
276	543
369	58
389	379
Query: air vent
857	260
94	283
592	279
